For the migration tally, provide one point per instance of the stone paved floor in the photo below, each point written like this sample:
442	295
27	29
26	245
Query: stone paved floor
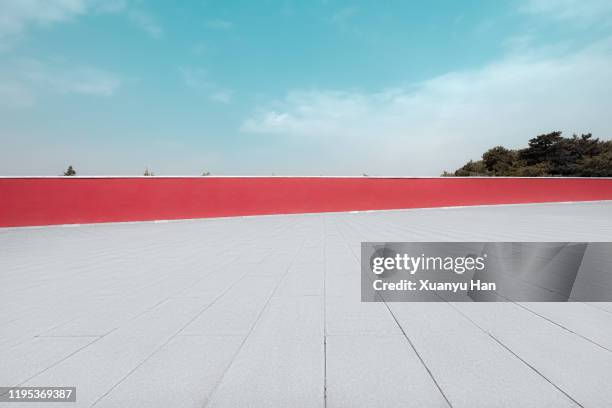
265	311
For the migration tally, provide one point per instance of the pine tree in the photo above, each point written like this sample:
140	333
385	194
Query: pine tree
548	154
70	171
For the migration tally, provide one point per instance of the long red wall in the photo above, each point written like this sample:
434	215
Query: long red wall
67	200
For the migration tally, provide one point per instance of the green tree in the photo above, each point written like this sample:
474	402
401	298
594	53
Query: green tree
472	168
541	148
499	161
535	170
70	171
549	154
599	165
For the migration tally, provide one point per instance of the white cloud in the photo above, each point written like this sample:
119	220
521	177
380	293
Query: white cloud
88	81
65	78
343	15
146	22
22	81
579	11
222	95
200	48
442	122
17	15
109	6
219	24
197	78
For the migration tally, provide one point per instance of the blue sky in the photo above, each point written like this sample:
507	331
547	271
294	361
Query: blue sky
293	87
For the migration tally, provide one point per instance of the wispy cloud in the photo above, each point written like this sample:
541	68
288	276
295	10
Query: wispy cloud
65	78
343	15
23	80
16	16
197	78
219	24
146	22
200	48
108	6
349	21
222	95
440	123
579	11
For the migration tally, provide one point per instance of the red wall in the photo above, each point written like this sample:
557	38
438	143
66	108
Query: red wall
66	200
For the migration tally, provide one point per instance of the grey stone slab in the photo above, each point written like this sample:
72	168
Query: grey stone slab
340	267
274	372
284	285
116	312
605	306
236	311
182	374
294	318
282	362
44	316
38	354
464	359
216	282
26	327
575	365
347	286
581	318
97	368
377	371
348	316
303	280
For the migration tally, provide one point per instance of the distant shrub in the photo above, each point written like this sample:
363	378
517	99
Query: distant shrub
70	171
548	154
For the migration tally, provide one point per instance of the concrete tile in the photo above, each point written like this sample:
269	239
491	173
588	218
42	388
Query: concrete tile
573	364
237	310
377	371
458	353
274	372
346	316
96	278
291	318
30	358
97	368
302	280
583	319
182	374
